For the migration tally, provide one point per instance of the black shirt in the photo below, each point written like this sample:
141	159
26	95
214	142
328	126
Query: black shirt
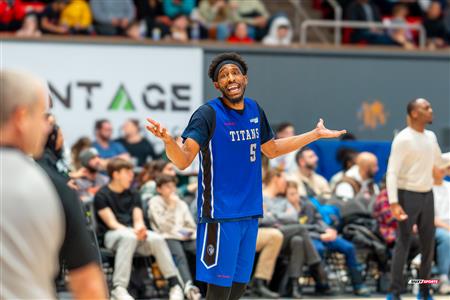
203	122
78	248
122	206
140	151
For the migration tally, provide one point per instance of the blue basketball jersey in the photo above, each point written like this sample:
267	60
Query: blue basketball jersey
230	183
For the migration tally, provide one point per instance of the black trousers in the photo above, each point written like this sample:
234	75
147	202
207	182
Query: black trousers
420	210
298	245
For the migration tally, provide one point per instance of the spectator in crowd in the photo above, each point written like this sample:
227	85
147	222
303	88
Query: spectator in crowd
279	213
216	17
112	17
107	148
359	179
347	158
254	14
51	18
157	24
325	237
53	150
138	146
240	34
12	14
307	179
170	217
435	27
81	144
173	8
121	225
280	32
77	17
90	180
148	175
30	26
367	11
179	31
441	191
31	208
284	162
268	245
401	36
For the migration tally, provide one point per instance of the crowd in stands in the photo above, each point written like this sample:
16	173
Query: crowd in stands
143	204
234	21
434	15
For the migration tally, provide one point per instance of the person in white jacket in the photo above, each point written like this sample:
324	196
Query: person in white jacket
280	32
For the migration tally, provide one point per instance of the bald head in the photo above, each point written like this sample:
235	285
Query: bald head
23	103
19	89
368	164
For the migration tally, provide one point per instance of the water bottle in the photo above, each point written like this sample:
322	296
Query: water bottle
156	34
195	31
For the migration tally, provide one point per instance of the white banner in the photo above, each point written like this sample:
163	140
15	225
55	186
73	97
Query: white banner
116	82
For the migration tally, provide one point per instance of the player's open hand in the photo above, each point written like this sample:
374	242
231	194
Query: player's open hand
157	130
324	132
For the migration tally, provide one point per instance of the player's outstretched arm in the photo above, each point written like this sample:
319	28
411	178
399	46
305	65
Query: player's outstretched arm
274	148
182	156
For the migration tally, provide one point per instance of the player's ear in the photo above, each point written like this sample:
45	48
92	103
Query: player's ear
246	79
216	85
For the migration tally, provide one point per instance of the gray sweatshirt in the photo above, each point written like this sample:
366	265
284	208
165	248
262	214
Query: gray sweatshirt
106	10
278	211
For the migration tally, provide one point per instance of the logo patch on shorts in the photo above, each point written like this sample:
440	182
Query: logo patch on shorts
211	250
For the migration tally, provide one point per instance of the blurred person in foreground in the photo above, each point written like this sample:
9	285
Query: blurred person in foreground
37	226
441	192
409	180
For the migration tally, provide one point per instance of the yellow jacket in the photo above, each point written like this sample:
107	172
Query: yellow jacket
77	14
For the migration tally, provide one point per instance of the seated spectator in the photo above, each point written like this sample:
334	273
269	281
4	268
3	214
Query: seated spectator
12	14
77	17
179	31
346	156
170	217
81	144
112	17
173	8
441	192
401	36
240	34
280	32
325	237
107	148
268	245
284	162
367	11
89	179
435	27
279	213
254	14
157	24
138	146
152	170
358	181
216	17
51	16
121	227
30	27
309	182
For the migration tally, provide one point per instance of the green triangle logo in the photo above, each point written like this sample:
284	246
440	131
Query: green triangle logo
122	100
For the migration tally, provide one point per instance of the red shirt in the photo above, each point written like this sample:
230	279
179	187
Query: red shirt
235	39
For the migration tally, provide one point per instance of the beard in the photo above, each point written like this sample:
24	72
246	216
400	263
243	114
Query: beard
311	167
233	100
92	169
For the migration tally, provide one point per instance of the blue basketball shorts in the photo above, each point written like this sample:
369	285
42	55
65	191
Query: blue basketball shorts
226	251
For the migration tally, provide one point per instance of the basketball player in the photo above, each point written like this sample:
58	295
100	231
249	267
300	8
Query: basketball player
409	180
229	133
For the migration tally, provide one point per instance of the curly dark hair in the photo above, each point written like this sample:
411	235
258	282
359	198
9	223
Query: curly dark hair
226	56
